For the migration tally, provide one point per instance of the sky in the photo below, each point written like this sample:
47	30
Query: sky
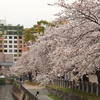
27	12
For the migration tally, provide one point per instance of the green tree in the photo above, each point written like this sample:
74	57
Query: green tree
37	29
29	36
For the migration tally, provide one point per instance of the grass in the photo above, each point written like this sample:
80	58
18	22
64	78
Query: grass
32	83
53	97
79	93
15	84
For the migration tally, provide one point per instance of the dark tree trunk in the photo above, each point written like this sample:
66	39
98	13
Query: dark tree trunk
30	76
98	76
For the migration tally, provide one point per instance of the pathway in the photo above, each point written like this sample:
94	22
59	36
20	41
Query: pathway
42	91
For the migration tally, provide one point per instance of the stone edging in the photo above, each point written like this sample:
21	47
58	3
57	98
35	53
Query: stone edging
64	95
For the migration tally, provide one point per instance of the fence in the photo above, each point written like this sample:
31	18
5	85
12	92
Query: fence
32	97
88	87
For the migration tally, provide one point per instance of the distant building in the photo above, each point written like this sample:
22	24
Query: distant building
11	40
6	61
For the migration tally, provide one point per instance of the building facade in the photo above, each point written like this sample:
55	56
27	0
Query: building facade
6	61
11	40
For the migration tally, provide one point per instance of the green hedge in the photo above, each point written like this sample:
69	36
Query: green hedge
2	80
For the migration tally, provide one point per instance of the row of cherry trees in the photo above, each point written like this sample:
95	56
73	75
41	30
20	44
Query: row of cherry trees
74	45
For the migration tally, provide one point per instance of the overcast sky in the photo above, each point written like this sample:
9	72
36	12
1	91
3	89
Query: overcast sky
27	12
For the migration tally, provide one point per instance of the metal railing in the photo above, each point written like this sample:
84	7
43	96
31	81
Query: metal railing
31	96
88	87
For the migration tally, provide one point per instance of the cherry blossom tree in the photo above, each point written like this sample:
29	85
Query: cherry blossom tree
74	45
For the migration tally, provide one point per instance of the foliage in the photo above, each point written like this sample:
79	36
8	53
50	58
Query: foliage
75	43
32	83
29	36
44	23
38	29
2	80
53	97
16	85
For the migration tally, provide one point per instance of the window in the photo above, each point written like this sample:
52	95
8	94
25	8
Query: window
10	28
5	50
5	28
5	32
20	50
20	33
15	50
15	41
0	46
0	50
10	46
15	59
10	41
5	46
20	28
20	37
15	37
5	41
15	55
0	28
0	41
15	28
15	46
10	33
5	37
10	37
20	46
20	41
15	32
20	55
10	50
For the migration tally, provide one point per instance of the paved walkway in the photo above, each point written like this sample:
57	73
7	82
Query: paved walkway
42	91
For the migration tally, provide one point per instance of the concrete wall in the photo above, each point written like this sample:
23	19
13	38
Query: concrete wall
1	57
6	58
19	94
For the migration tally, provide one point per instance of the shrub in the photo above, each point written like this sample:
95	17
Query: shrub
2	80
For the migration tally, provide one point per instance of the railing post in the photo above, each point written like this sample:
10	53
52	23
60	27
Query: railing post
91	88
83	86
97	90
55	81
79	86
61	83
87	87
64	83
67	86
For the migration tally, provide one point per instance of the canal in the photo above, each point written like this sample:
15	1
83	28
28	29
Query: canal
5	92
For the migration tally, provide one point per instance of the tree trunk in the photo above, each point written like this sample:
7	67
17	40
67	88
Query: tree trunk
98	76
